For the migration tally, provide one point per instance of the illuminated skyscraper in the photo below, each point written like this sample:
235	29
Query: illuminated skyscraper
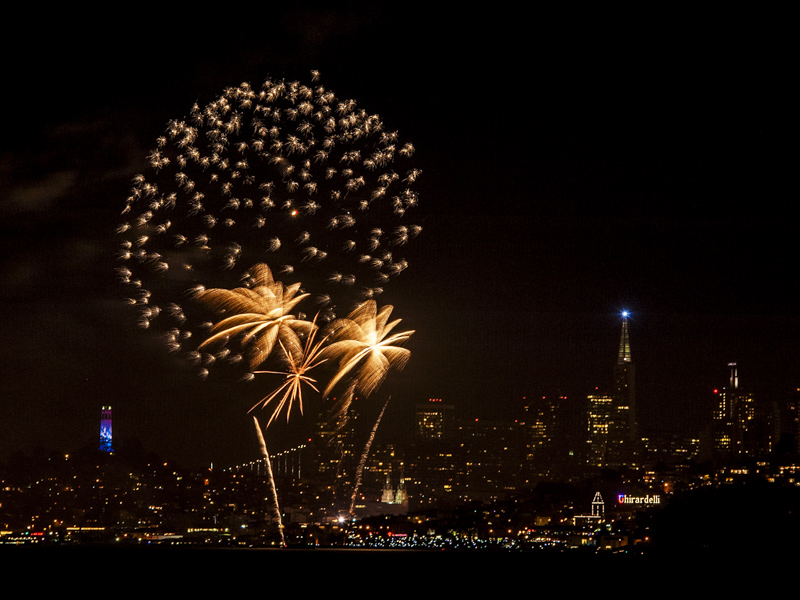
105	429
600	410
435	420
539	433
333	447
432	468
734	418
623	431
612	427
722	414
334	443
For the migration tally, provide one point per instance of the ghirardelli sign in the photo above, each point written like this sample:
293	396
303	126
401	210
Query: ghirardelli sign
626	499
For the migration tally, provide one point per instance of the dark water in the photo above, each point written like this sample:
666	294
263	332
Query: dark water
358	572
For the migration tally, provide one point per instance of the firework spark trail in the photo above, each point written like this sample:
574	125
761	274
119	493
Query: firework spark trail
277	509
286	173
362	462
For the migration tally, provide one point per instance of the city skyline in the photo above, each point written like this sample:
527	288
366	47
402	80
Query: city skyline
567	423
560	185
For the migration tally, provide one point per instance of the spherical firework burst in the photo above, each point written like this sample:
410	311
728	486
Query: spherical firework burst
286	174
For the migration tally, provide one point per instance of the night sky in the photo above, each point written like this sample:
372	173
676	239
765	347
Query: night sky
569	171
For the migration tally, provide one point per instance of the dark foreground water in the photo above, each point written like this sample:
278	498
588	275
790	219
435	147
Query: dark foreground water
192	569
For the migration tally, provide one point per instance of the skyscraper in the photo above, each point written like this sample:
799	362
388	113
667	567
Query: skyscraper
734	418
435	420
539	433
600	412
432	466
623	434
612	418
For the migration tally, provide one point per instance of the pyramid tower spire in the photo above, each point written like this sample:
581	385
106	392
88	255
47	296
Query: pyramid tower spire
623	432
624	355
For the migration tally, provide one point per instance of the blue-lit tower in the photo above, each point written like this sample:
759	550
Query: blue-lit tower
105	429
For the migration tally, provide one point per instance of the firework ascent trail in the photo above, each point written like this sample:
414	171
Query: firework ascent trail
362	462
275	505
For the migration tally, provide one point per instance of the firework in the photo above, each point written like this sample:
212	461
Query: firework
364	347
298	364
286	174
291	176
259	316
